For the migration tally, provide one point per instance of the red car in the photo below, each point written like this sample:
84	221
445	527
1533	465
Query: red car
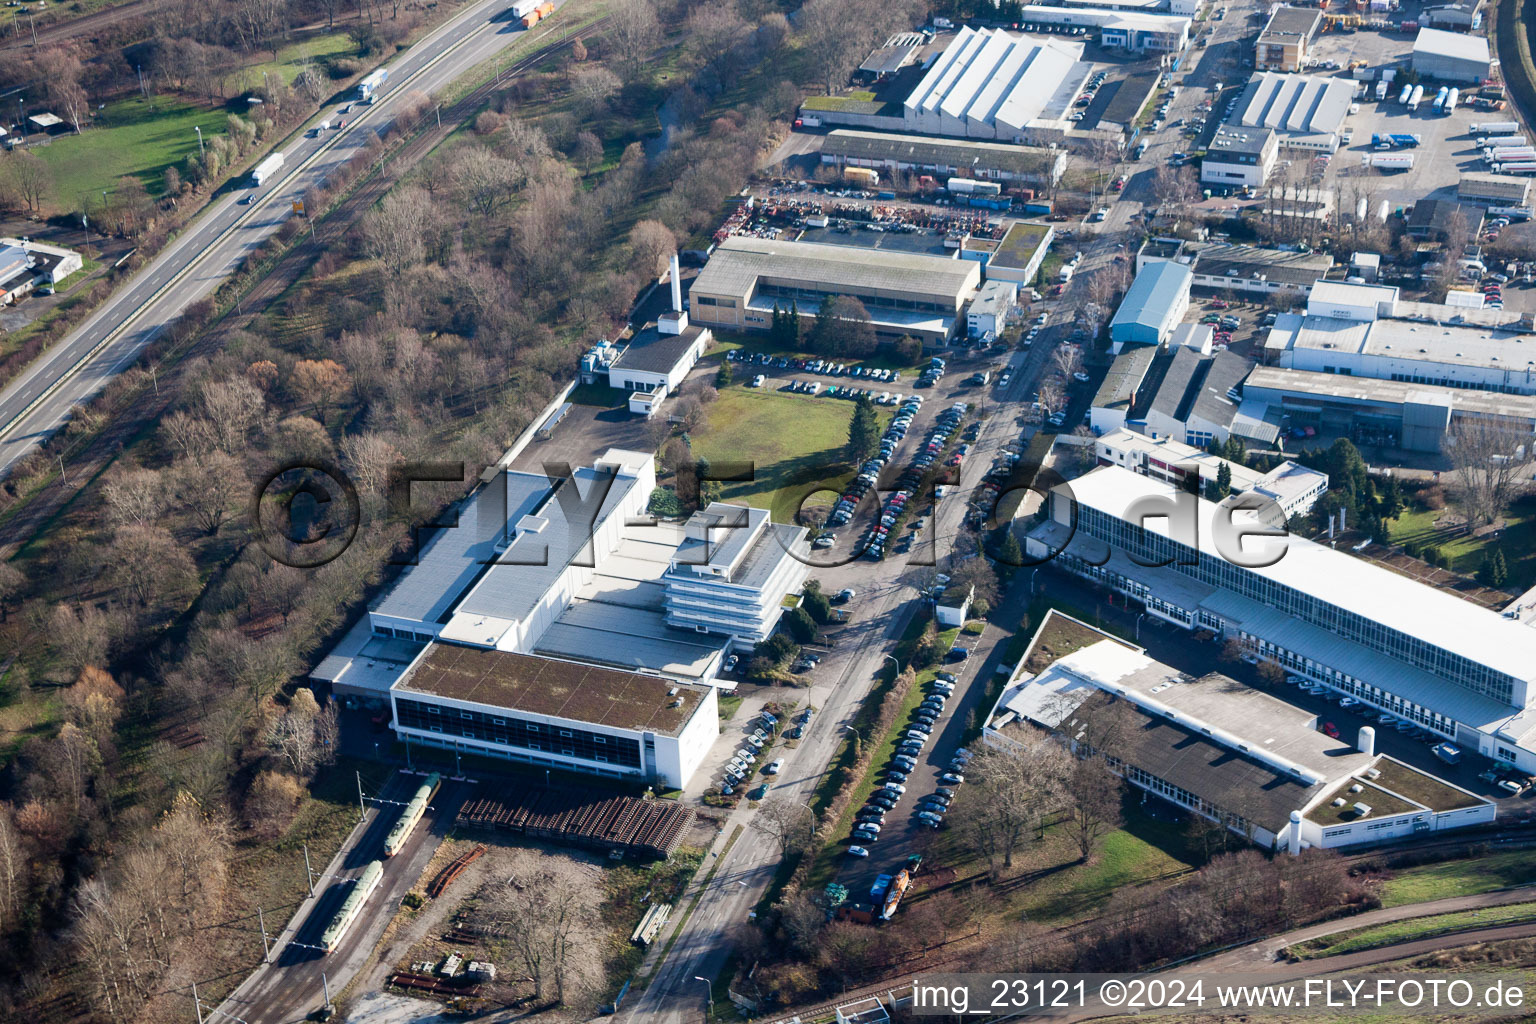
1057	290
1220	304
1329	729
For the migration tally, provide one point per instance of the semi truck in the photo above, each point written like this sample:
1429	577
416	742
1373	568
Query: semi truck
1403	141
1405	95
369	87
865	176
1440	98
1522	167
1381	91
522	8
972	187
807	121
1512	212
538	14
1510	154
1505	141
1415	98
1393	162
1451	100
265	170
1496	127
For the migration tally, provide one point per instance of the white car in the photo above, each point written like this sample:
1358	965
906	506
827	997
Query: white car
894	787
774	767
857	851
1080	377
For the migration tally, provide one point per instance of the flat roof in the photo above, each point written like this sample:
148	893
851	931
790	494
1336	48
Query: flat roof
1238	139
454	558
994	297
1352	584
741	261
1020	245
1460	45
651	351
1124	378
1290	23
1251	261
960	154
1369	391
1296	104
552	688
1350	293
1152	294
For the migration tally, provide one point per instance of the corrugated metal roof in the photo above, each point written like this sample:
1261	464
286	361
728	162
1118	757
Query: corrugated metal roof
1295	103
740	261
1150	297
1460	45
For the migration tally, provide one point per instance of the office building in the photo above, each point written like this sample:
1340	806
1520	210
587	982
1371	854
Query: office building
1288	34
1292	487
1451	56
732	571
991	309
1230	753
1239	157
1441	220
1153	306
906	294
1254	270
555	713
1420	654
1137	32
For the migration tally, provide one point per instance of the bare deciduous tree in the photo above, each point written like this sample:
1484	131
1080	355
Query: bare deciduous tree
634	30
1015	788
234	407
653	244
548	915
135	496
484	181
321	383
1095	792
790	824
210	487
1492	459
593	85
394	233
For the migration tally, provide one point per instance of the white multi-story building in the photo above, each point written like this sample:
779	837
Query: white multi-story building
1447	666
1291	486
732	571
553	712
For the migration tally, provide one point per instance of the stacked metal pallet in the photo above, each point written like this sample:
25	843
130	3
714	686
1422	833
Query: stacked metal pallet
586	817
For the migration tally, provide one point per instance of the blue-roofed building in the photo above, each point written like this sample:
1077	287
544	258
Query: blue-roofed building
1154	305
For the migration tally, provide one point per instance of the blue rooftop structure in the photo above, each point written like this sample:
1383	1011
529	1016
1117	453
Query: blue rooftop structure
1154	305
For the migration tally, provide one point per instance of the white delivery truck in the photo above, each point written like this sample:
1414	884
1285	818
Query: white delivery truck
266	170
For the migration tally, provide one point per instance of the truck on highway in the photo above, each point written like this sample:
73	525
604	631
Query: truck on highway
264	171
368	88
538	14
520	9
1496	128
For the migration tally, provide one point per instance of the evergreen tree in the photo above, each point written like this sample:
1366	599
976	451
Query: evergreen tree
1236	451
1007	550
725	375
776	325
1215	447
863	431
1494	572
1223	481
792	326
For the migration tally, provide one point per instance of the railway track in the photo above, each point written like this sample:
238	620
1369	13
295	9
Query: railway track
138	411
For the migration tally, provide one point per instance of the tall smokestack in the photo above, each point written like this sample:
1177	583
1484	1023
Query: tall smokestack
677	286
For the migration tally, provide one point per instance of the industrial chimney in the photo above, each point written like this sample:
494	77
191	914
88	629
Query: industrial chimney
675	320
1367	741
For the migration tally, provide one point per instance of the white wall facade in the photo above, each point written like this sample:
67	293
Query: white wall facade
1396	826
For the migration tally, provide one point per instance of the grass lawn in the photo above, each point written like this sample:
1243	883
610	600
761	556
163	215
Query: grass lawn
728	706
126	138
1518	540
292	58
87	268
794	444
1418	928
1457	878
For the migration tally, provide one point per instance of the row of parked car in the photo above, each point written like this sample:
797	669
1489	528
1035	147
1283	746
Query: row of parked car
870	471
810	387
870	819
826	367
741	764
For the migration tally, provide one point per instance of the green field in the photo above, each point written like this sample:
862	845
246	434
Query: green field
1518	540
794	444
1458	878
1380	935
126	138
291	58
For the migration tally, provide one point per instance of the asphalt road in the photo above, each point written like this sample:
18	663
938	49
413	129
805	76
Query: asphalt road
39	401
291	987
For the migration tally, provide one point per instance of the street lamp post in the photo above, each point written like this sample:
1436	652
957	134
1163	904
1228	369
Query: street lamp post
711	987
893	660
199	130
858	737
1138	626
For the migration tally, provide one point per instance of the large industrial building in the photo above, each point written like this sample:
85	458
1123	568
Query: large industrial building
1195	402
1116	398
906	294
1020	253
1306	112
1030	166
1394	414
1451	56
555	713
1153	306
1137	32
1283	44
1231	753
1421	654
1357	330
991	84
1493	189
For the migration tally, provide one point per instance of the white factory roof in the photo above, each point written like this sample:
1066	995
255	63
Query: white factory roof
992	77
1352	584
741	260
1461	45
1348	293
1296	104
1416	341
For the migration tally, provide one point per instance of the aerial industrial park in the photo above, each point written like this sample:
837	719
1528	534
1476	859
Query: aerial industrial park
765	512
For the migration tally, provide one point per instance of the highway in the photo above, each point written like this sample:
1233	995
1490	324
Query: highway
191	267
